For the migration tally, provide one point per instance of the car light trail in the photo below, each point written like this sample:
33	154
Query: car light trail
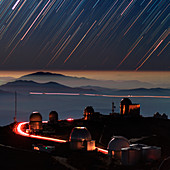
70	119
99	95
19	131
104	151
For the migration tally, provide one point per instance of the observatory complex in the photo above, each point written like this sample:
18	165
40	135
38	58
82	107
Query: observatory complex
80	139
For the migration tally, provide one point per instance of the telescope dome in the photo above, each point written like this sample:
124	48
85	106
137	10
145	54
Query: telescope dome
80	134
117	143
126	101
35	117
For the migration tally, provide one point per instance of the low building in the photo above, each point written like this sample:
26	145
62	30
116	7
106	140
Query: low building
90	114
127	108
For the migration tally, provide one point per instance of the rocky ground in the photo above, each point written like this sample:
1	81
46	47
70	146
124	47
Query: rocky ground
16	151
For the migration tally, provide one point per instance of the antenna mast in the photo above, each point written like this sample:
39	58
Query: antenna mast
15	118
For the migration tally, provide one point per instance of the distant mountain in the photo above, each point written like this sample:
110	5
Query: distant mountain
25	86
138	91
144	91
41	73
4	80
44	77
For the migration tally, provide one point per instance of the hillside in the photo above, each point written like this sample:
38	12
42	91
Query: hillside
44	77
24	86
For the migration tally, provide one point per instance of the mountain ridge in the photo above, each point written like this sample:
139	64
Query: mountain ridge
25	86
42	77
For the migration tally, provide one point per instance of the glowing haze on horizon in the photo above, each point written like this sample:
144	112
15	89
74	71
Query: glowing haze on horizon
154	77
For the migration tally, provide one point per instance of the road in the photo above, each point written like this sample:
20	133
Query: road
19	130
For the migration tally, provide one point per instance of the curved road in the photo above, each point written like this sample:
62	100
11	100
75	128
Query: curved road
19	130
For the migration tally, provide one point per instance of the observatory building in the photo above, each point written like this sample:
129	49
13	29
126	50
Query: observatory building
53	117
116	144
35	124
129	109
88	113
80	139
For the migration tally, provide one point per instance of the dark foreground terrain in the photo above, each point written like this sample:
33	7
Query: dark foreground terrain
16	151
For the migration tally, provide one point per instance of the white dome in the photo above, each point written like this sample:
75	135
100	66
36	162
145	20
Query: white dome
117	143
80	134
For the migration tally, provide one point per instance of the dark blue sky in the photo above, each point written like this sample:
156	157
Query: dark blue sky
84	35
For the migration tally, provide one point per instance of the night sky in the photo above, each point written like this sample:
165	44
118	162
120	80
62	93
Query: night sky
84	35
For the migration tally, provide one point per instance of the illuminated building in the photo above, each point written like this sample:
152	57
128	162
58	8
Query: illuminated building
35	124
80	139
53	117
127	108
89	114
115	145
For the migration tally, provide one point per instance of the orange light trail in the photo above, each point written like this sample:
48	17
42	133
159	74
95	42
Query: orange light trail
45	13
68	94
80	42
77	7
10	53
126	7
156	19
98	95
149	55
60	6
68	29
107	12
70	119
108	22
4	10
104	151
163	48
18	130
158	42
137	18
12	18
151	47
35	21
60	50
134	46
25	22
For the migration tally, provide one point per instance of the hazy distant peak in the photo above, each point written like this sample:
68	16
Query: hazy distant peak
21	82
30	82
41	73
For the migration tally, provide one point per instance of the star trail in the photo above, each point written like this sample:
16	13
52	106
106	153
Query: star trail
84	35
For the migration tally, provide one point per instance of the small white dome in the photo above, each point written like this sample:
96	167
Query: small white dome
117	143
